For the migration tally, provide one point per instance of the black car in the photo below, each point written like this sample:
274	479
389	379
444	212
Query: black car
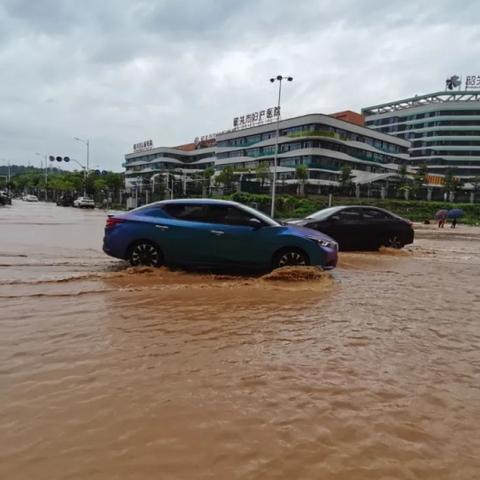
65	201
361	228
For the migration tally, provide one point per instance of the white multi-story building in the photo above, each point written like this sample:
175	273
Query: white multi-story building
322	143
443	128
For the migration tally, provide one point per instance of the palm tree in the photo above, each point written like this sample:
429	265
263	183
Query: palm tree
420	177
345	179
403	184
262	172
207	175
226	178
302	175
451	183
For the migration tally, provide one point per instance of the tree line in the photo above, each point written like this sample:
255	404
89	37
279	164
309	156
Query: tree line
58	182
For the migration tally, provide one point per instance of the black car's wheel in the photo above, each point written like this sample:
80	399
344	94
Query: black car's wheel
145	253
393	241
290	257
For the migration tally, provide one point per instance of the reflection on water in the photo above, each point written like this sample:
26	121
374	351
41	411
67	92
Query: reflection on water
368	372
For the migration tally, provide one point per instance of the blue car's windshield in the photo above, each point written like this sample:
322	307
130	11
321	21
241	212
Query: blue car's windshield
265	218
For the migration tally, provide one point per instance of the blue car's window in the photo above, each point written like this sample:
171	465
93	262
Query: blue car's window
185	211
227	215
216	213
151	212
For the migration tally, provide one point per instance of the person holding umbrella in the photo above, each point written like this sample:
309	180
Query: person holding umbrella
441	216
455	214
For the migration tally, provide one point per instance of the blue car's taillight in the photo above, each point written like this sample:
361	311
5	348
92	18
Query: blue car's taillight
113	221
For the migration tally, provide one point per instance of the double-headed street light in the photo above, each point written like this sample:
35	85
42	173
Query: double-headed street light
279	79
87	143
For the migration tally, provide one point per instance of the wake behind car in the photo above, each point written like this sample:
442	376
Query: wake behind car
213	233
84	202
361	227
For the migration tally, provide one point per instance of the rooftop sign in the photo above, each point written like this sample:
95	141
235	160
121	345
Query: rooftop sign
472	82
453	82
254	119
142	146
211	138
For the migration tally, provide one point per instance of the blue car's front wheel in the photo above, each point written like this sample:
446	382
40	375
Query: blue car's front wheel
145	253
290	257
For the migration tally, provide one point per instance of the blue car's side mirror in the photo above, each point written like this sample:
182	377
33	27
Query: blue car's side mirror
255	223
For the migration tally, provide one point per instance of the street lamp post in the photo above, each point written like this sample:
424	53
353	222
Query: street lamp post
46	172
87	168
279	79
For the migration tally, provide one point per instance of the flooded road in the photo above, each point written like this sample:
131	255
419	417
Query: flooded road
107	372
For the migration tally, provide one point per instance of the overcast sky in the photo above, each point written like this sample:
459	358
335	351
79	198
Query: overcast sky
123	71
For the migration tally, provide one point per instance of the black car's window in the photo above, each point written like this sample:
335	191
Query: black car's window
185	211
372	214
322	214
349	214
227	215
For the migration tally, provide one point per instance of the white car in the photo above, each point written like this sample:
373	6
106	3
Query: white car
30	198
84	202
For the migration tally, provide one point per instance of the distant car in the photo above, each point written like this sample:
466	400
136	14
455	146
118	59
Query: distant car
213	233
65	201
30	198
84	202
5	198
360	227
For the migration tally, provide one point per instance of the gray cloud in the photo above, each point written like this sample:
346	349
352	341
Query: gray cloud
121	71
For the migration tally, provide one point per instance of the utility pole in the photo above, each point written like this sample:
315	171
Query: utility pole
87	168
45	156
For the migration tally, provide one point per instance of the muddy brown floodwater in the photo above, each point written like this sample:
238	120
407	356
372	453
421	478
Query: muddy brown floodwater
371	372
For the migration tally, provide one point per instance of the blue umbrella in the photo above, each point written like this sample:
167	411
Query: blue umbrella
455	213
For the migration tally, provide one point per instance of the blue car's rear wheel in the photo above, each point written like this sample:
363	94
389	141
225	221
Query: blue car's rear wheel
290	257
145	253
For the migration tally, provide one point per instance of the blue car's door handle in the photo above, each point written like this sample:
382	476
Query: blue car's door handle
217	232
162	227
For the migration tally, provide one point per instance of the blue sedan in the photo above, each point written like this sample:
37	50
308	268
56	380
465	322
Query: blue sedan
213	233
